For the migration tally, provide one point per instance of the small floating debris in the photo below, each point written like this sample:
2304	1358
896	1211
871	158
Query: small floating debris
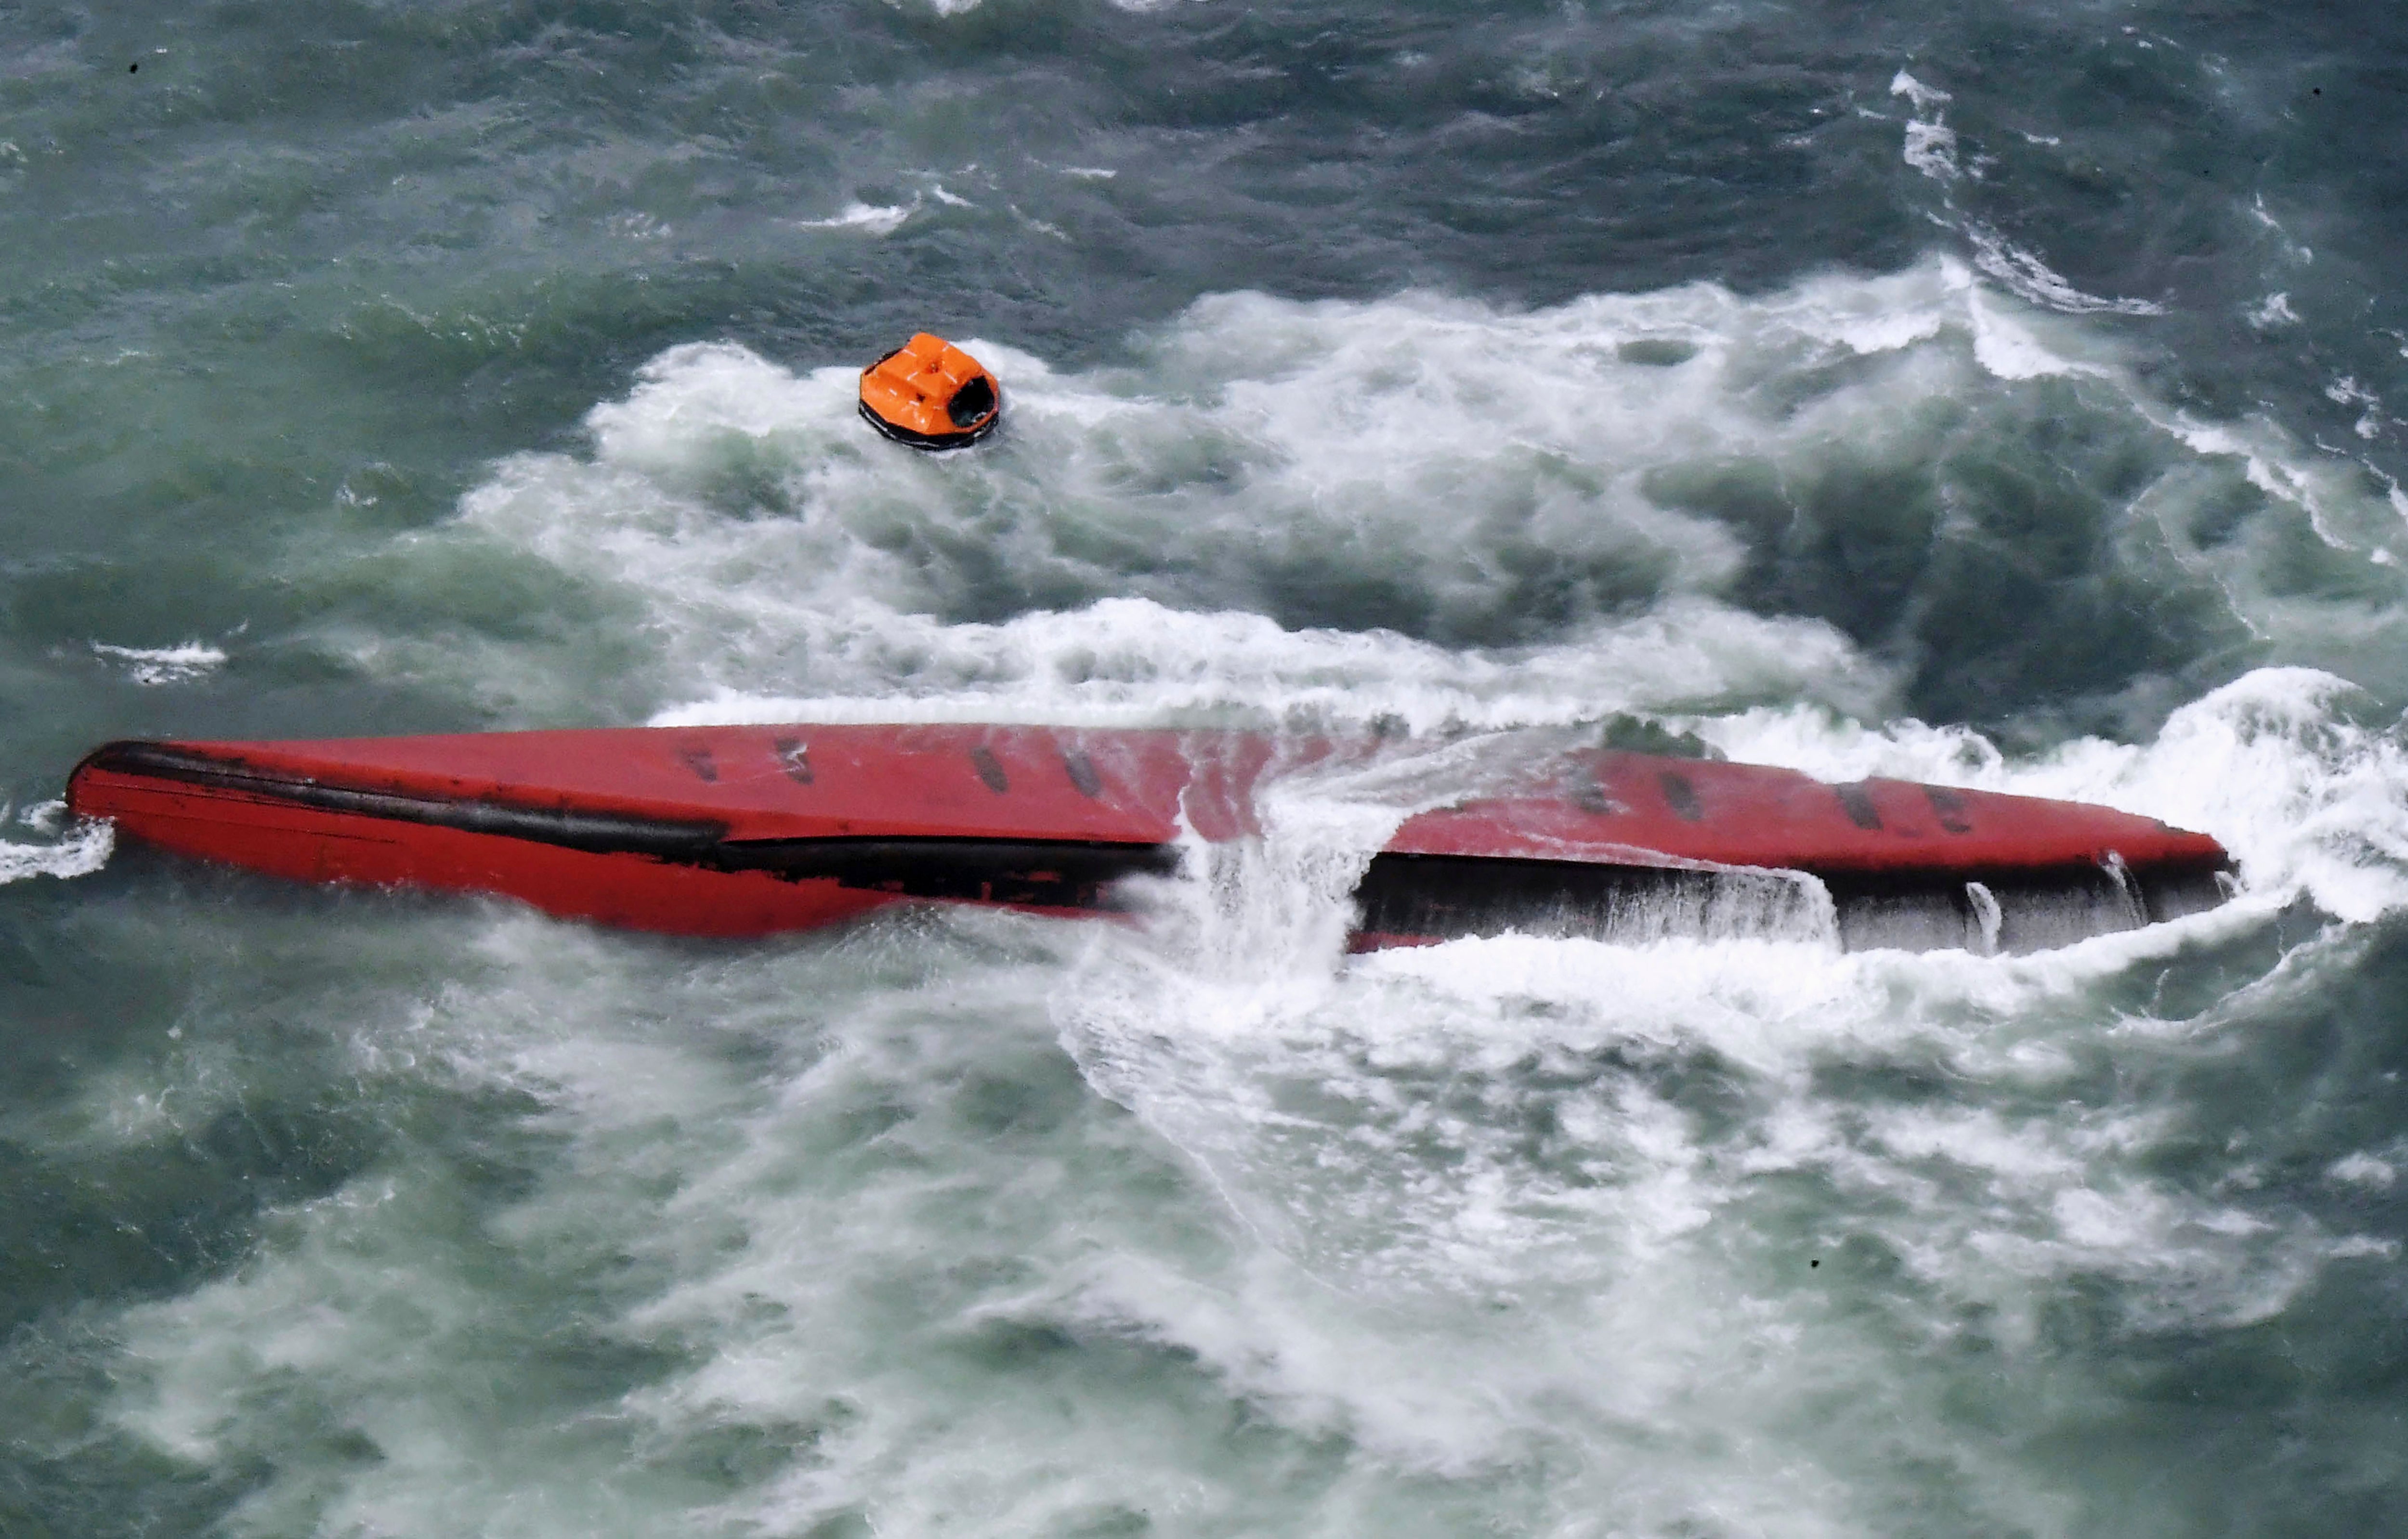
930	394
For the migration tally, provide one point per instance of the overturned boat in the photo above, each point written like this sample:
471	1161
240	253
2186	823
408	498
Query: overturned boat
746	830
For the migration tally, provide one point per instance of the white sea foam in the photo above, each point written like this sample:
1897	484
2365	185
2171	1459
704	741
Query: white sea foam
1437	1216
157	666
2363	1170
2346	391
1931	143
1214	477
1198	482
83	849
876	218
1930	147
1140	520
1477	1221
1925	97
1507	1209
848	588
1491	1123
2029	277
1133	662
2306	800
1193	480
2273	310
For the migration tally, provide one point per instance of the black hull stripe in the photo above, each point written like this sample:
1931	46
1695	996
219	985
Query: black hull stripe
1062	873
570	828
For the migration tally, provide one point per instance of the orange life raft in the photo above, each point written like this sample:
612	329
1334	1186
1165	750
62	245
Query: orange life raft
930	394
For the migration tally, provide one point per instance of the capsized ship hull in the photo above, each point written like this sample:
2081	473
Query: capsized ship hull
747	831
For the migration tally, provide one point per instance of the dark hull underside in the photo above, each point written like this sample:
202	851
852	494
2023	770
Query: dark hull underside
1984	911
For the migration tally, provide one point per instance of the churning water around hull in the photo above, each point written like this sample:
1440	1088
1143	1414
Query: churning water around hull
997	1224
2001	399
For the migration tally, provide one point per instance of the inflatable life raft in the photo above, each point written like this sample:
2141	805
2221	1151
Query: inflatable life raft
744	830
930	394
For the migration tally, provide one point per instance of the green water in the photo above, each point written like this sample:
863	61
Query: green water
1992	397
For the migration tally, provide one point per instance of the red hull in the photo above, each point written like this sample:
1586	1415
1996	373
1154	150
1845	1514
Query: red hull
744	830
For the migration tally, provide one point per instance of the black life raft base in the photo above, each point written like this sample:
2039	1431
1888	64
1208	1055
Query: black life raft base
932	443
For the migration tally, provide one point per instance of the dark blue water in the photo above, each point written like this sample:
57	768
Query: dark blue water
1999	397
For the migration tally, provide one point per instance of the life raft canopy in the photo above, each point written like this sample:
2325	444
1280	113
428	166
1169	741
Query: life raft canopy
930	394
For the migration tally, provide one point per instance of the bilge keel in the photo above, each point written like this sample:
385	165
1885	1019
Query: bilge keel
747	831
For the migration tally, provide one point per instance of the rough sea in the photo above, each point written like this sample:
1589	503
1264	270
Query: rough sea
2001	395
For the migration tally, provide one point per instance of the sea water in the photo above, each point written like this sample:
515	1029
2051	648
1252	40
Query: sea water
1999	396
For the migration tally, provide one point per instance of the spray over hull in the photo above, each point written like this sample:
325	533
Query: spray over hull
748	831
